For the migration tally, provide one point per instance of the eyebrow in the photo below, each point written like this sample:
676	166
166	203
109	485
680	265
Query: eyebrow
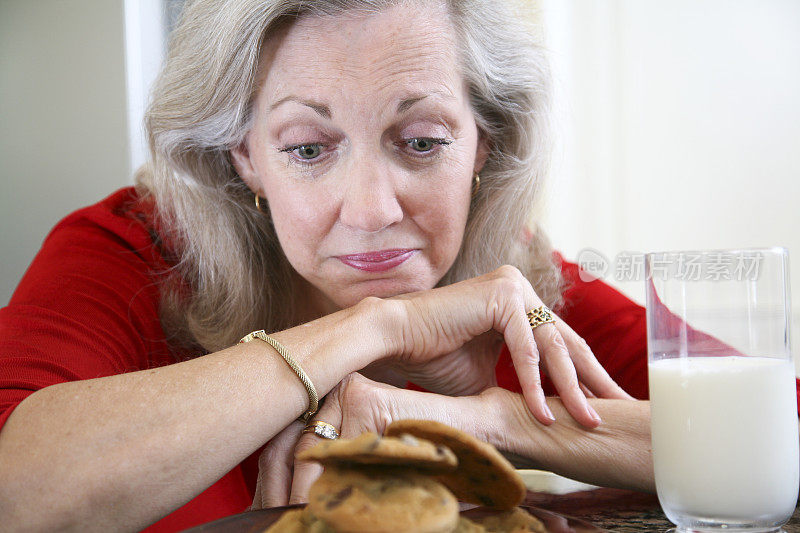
321	109
406	104
325	112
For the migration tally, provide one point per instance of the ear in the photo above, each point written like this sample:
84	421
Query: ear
482	151
240	157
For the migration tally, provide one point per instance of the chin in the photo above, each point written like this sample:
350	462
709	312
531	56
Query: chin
384	288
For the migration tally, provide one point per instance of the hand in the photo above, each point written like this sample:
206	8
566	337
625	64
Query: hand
618	456
355	406
464	372
276	467
441	321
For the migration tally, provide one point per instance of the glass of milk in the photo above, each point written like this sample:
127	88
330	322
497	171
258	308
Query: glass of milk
722	388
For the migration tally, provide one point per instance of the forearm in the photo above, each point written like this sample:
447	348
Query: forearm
125	450
615	454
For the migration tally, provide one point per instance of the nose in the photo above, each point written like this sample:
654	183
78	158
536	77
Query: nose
369	198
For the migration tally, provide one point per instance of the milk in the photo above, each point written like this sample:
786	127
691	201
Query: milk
725	437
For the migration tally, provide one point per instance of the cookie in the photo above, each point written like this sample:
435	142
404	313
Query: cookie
299	521
514	521
465	525
372	449
483	476
382	499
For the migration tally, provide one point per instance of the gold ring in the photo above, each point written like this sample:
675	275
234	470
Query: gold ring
322	429
540	315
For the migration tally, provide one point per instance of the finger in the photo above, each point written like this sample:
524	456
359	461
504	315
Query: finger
563	375
257	497
275	466
307	472
555	357
525	356
590	371
586	391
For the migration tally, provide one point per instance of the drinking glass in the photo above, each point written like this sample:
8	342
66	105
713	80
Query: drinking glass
722	388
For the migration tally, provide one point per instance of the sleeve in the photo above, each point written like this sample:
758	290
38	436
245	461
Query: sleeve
87	307
615	328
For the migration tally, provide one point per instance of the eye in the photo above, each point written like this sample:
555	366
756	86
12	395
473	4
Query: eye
421	145
425	144
307	151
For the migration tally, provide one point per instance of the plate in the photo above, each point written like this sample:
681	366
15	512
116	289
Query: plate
543	481
258	521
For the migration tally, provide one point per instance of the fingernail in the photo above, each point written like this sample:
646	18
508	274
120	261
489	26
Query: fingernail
593	413
549	413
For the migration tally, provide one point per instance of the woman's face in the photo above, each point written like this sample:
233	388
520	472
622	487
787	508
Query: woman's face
364	145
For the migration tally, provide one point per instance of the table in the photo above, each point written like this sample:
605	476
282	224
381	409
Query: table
619	510
615	510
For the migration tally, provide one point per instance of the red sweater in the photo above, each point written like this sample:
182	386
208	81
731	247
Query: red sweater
88	307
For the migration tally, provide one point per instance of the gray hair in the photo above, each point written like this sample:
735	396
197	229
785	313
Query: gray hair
230	274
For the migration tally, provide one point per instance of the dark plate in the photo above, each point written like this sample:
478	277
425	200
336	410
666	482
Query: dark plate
258	521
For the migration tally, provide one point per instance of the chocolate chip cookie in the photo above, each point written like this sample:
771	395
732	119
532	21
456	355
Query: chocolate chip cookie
483	475
372	449
382	500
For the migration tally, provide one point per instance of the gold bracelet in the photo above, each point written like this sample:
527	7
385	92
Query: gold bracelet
313	400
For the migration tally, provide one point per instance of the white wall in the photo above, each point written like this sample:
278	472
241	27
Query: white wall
146	24
681	127
75	78
63	131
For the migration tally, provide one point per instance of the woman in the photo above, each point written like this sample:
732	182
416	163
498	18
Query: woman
355	177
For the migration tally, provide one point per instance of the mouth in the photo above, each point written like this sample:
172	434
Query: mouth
379	261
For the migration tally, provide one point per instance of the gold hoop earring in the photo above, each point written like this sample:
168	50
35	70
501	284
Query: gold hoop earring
258	205
476	185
